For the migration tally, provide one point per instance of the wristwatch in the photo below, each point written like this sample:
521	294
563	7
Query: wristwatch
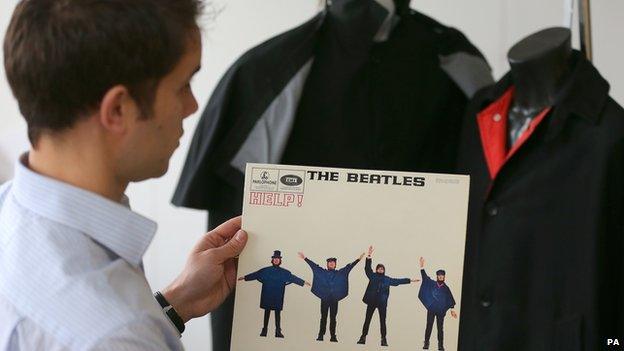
171	313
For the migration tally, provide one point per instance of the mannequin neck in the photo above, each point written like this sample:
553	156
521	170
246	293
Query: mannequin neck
359	23
539	66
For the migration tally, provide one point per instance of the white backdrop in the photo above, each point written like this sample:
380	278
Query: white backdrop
493	25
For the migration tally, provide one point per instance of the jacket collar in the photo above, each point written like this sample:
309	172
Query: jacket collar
584	94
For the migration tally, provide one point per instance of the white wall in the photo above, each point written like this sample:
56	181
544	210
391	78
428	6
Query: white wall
493	25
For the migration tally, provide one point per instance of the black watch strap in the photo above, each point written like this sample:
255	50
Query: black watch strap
171	313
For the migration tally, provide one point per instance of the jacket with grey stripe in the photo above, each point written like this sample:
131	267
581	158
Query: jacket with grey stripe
253	110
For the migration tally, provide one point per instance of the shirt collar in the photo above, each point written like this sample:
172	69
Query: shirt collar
113	225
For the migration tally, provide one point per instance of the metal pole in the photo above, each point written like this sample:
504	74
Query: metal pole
585	28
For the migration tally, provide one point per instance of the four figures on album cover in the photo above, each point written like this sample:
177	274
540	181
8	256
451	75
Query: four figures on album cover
331	285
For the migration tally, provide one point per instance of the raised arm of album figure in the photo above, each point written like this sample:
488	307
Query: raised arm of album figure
330	285
377	294
274	280
437	298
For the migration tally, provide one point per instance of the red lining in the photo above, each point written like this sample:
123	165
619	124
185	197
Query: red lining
493	131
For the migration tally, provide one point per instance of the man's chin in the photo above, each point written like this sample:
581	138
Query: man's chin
163	170
154	173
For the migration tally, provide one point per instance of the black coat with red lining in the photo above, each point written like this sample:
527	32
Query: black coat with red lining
544	268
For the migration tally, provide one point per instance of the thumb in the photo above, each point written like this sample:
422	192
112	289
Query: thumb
232	248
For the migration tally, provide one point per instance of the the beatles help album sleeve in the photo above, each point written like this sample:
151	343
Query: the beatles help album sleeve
345	259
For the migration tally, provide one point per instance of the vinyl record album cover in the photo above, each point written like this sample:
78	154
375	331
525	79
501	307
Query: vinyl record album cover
344	259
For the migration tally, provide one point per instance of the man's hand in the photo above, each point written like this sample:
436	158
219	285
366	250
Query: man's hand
453	314
370	251
301	255
308	284
422	263
362	256
414	280
210	272
241	279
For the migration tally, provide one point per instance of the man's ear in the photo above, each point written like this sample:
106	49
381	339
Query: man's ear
117	110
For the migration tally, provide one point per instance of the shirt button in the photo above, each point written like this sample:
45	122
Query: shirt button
486	303
491	209
497	117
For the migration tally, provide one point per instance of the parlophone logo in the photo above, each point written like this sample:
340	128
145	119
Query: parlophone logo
291	180
265	179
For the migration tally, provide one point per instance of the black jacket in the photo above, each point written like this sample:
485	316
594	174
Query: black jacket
544	268
274	280
437	299
330	285
328	94
378	289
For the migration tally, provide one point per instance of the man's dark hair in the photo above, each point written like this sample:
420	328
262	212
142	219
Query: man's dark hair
62	56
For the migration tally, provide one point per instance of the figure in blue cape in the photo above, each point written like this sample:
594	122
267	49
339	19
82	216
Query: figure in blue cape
437	298
330	285
376	296
274	280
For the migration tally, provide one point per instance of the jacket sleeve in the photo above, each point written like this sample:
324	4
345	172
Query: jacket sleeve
315	267
350	266
401	281
296	280
424	275
367	268
451	298
257	275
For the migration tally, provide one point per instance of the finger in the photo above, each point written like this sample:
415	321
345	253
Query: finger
232	248
220	235
229	273
229	228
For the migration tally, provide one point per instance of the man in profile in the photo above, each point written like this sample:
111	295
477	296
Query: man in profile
330	285
437	298
376	296
274	280
104	86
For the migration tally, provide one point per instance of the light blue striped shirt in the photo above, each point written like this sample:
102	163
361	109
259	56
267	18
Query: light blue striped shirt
70	271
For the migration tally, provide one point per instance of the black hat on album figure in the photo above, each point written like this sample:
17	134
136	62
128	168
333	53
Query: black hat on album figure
330	285
274	280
